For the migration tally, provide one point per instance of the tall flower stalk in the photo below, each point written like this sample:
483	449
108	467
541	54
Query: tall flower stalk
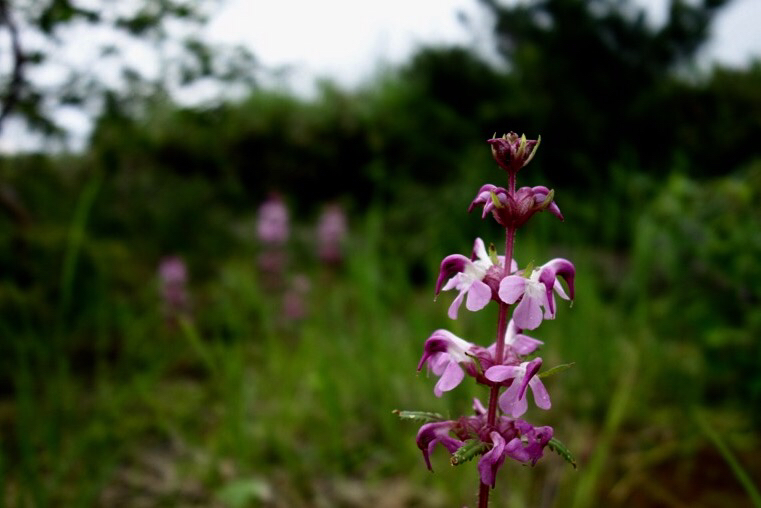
510	367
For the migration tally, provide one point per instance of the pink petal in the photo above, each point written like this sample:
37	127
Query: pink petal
452	313
528	314
500	373
479	295
523	344
518	408
451	377
541	397
511	288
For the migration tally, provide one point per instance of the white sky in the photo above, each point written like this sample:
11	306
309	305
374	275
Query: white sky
345	39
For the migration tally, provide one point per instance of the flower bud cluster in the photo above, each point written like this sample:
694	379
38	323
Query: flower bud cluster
509	367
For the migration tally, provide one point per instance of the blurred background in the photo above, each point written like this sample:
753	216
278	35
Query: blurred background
217	268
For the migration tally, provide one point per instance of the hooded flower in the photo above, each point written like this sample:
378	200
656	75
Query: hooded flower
513	400
445	352
471	277
435	433
517	209
536	292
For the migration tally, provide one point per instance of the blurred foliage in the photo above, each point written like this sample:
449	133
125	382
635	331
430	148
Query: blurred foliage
696	252
168	31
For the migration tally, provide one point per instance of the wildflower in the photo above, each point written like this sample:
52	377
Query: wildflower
495	433
515	210
272	226
512	152
513	400
331	234
477	277
445	352
536	292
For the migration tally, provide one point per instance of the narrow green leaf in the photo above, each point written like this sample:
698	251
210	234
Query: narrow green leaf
467	451
557	368
419	416
559	448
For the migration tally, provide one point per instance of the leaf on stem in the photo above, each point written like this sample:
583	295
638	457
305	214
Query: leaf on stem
559	448
419	416
467	451
556	369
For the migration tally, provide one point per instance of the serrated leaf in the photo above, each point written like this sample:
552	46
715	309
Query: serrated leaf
557	368
419	416
559	448
467	451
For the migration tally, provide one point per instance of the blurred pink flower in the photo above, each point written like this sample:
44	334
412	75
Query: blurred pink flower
173	278
331	234
272	225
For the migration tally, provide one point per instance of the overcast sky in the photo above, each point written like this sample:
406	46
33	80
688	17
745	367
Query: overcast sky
345	39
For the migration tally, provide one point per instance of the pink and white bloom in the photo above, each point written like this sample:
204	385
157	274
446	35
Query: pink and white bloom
445	353
468	277
513	400
535	292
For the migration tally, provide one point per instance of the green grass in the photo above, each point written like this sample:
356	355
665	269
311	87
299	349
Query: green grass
238	406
